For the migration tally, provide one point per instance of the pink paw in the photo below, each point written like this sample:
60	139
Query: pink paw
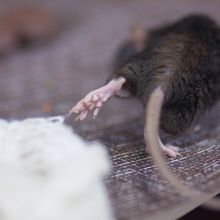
93	101
171	151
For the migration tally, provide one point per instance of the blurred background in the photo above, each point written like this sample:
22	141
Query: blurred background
45	74
77	58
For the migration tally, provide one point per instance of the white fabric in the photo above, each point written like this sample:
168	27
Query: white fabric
49	173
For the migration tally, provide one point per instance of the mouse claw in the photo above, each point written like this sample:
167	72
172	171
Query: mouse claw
96	112
81	116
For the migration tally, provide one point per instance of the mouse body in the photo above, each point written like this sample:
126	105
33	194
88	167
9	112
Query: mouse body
134	44
182	59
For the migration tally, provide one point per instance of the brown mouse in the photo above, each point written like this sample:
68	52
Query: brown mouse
180	66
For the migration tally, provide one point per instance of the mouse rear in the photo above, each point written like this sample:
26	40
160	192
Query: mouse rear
182	60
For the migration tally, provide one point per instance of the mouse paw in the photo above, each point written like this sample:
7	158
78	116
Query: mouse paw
95	99
171	151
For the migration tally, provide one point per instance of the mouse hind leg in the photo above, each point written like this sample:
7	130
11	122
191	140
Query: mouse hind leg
151	131
174	121
95	99
168	149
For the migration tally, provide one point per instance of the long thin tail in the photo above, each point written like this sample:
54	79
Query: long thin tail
151	131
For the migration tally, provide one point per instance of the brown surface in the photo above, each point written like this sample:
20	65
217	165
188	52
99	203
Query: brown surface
78	61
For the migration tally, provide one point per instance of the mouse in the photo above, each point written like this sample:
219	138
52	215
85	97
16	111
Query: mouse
177	72
134	44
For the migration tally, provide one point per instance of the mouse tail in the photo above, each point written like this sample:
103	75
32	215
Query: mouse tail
152	118
151	134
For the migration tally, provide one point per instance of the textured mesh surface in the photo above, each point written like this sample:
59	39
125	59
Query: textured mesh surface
135	186
77	61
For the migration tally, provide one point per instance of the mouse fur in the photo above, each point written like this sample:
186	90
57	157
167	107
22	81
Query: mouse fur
182	58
